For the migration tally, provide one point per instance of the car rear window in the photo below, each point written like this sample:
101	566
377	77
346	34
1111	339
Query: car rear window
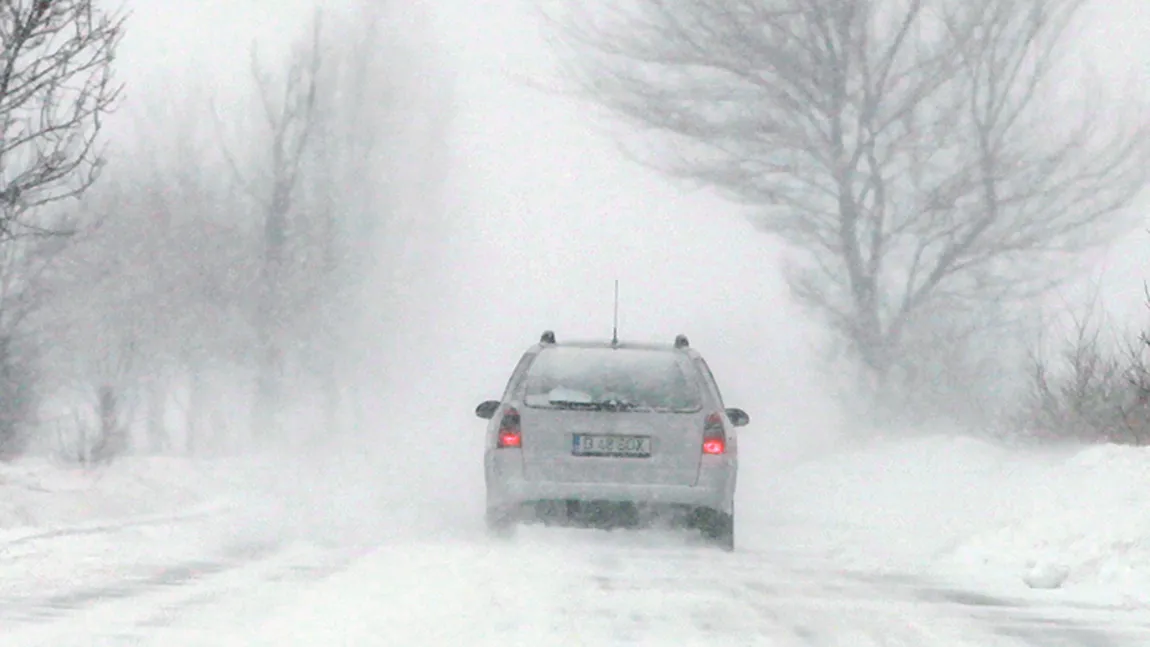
611	378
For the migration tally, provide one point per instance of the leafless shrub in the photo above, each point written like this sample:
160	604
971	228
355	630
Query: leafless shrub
1092	389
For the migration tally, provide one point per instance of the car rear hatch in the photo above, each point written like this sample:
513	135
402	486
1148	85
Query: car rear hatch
612	415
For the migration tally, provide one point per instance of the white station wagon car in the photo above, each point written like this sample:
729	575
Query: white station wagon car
607	431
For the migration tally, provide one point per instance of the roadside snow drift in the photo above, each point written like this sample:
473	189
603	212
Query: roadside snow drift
1066	521
1083	526
37	494
332	495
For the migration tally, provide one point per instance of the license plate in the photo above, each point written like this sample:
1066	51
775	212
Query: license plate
629	446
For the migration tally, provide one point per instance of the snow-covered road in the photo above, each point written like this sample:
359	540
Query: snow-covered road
191	579
594	589
547	587
916	543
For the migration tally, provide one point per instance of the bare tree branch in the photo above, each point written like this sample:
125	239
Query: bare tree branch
56	86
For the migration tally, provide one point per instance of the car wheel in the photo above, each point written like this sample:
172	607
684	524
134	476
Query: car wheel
500	524
719	528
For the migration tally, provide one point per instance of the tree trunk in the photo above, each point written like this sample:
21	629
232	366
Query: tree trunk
11	403
193	422
158	441
265	424
331	412
112	441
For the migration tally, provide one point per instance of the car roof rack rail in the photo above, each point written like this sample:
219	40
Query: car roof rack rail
548	337
681	341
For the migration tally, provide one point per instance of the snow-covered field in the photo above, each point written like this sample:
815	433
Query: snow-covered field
836	548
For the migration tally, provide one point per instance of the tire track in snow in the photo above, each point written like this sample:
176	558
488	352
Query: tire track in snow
237	585
39	608
278	573
694	595
752	597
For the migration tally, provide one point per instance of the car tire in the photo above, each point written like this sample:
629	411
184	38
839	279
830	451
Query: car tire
500	524
718	528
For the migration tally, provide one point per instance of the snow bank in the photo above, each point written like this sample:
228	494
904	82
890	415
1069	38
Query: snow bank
1068	522
329	494
38	494
1085	523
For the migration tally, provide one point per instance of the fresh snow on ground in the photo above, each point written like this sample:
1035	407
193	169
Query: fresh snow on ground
332	496
37	494
1010	518
1084	520
1053	525
563	587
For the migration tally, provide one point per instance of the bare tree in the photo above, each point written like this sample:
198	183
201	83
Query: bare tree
157	296
17	395
180	260
288	106
382	112
360	135
915	154
28	268
347	134
55	88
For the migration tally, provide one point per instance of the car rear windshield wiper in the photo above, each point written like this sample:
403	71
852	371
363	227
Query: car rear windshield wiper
620	405
601	405
575	404
611	405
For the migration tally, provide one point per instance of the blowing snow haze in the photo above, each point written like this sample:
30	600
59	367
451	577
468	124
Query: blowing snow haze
240	365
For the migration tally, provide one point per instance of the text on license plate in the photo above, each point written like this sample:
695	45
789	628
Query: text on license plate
595	445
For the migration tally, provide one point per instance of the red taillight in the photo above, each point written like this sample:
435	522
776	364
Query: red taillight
714	436
713	446
510	434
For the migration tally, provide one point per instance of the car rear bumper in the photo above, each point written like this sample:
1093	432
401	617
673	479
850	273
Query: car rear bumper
715	490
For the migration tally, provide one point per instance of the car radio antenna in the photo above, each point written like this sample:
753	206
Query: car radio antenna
615	326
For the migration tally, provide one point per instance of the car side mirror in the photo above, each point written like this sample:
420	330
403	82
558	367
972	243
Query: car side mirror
487	409
738	417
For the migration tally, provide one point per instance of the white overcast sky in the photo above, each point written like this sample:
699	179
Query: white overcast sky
547	216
